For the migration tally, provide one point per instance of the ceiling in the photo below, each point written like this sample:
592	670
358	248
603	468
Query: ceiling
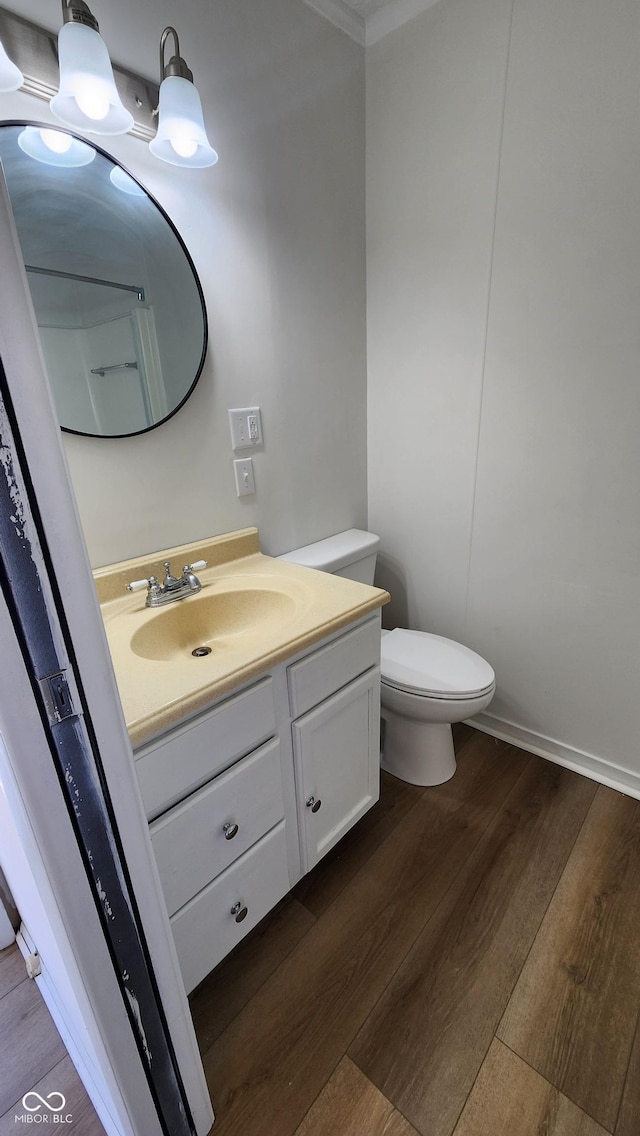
367	21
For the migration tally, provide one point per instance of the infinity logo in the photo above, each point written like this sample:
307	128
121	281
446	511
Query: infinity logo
40	1101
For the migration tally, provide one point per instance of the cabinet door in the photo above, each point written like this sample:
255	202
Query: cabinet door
337	763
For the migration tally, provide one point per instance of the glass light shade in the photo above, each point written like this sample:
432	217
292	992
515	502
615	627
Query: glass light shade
11	77
56	140
87	99
124	182
181	138
54	147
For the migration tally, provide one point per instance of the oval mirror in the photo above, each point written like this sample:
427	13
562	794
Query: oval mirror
117	299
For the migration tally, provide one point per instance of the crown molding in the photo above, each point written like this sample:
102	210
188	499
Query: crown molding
342	16
392	15
370	29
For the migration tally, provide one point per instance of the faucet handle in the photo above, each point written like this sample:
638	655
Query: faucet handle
151	585
196	566
137	585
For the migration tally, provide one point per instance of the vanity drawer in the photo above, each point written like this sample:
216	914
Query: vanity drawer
189	842
184	759
205	930
325	671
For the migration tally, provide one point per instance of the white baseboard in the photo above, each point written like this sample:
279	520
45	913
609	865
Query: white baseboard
589	764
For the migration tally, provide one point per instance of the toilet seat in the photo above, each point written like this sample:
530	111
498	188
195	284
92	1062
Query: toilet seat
426	665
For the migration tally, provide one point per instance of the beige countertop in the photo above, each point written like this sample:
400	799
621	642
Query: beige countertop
253	611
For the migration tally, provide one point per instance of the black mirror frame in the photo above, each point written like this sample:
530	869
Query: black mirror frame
164	214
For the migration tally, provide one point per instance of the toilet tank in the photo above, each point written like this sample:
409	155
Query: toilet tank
351	554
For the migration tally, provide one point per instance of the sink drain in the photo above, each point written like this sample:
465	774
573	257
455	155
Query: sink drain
200	652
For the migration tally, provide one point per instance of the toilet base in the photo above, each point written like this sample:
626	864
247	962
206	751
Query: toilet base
421	753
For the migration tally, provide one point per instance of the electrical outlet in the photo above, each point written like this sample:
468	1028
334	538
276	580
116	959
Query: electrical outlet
245	424
243	471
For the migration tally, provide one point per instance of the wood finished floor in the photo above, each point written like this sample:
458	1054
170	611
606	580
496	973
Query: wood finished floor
465	962
32	1054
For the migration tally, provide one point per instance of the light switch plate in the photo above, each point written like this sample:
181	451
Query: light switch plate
243	471
245	424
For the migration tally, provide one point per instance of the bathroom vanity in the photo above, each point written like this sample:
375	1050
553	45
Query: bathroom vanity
268	751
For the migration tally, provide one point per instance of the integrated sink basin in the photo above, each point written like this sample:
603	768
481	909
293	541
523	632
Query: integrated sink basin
252	613
212	622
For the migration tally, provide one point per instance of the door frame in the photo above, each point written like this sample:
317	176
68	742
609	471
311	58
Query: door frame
47	871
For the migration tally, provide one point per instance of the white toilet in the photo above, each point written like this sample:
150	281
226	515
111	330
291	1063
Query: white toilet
427	682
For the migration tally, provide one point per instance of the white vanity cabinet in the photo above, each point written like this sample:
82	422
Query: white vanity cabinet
174	765
336	743
221	850
337	757
212	828
248	796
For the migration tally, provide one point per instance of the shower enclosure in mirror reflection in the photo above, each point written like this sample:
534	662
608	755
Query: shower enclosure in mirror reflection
117	299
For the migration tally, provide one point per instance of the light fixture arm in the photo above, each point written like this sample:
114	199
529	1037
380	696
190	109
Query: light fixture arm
176	65
181	138
77	12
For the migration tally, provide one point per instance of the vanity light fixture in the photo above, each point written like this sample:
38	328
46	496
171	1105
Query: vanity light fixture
54	147
125	183
87	98
84	96
11	77
181	138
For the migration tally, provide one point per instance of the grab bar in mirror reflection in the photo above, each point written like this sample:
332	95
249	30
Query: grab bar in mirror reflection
114	367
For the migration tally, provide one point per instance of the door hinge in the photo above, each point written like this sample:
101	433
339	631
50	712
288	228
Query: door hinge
57	697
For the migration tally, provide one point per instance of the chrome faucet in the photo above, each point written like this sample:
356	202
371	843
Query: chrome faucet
172	587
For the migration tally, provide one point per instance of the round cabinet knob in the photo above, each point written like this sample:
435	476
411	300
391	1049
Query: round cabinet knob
230	830
239	912
313	804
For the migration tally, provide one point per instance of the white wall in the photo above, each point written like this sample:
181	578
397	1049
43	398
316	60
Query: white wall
64	348
276	230
504	344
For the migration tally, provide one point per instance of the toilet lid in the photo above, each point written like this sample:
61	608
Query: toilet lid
421	663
